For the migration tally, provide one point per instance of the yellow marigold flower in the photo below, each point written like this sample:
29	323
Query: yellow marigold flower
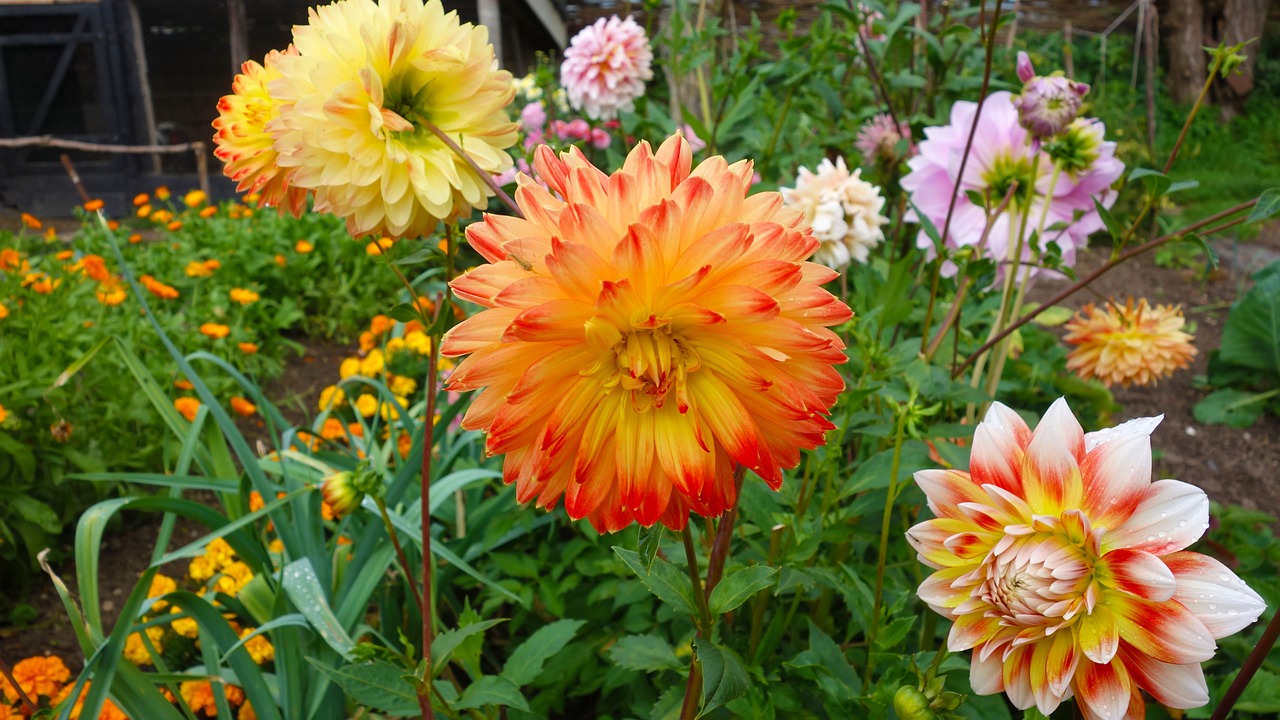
135	650
654	334
373	363
401	385
233	578
174	226
209	212
393	346
200	569
141	199
199	696
196	268
366	405
111	292
161	584
259	647
41	283
332	397
418	342
276	546
1134	344
31	221
303	247
194	199
161	216
217	331
220	553
247	348
243	407
243	143
356	102
377	247
39	676
93	206
187	406
391	411
162	192
350	366
143	212
243	296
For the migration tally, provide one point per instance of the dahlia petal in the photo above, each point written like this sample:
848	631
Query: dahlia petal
689	466
1169	517
1050	470
1099	635
943	590
553	321
1166	631
1213	593
967	631
1117	473
1017	677
986	677
728	420
1180	686
1138	573
1104	689
1137	427
946	489
576	268
478	331
999	443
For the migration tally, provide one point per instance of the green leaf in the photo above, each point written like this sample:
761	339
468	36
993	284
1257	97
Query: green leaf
303	587
1183	185
738	587
894	632
21	454
491	690
1262	694
1157	182
649	542
1268	205
525	663
1053	316
37	512
404	312
1251	337
378	684
1234	408
663	580
1113	226
724	676
835	675
646	653
445	643
1209	252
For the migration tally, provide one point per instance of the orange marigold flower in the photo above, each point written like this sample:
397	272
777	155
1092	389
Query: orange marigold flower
144	211
64	254
141	199
199	696
356	132
1134	344
39	676
195	268
11	259
247	348
157	288
161	216
281	260
355	428
111	292
209	212
333	429
110	711
243	296
113	224
31	221
380	324
217	331
50	234
253	198
213	263
243	407
377	247
4	414
4	311
188	407
194	198
654	333
94	267
174	226
135	238
243	143
162	192
93	206
41	283
303	247
183	384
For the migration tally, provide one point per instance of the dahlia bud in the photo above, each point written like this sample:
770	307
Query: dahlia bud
1048	104
344	491
911	704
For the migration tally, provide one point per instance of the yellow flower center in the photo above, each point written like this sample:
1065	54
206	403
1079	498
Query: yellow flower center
1043	578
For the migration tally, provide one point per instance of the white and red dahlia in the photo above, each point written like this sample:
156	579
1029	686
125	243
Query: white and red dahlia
645	333
1064	568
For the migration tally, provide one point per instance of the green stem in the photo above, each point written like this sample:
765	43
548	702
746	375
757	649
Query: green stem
702	621
403	559
1251	665
885	521
485	177
1195	109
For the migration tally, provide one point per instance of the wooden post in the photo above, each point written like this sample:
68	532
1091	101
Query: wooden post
202	166
239	34
1068	51
490	16
1013	26
1148	30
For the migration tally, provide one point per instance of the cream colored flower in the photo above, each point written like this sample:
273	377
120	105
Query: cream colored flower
843	209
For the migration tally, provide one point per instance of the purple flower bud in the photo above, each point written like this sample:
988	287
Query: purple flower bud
1047	104
1025	71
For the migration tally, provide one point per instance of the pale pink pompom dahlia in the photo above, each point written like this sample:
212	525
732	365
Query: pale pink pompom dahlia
606	66
1001	153
1064	569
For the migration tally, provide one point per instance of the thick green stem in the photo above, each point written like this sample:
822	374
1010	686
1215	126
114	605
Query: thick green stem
885	521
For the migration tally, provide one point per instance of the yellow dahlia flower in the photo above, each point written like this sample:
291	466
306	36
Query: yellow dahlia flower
243	143
357	100
645	335
1134	344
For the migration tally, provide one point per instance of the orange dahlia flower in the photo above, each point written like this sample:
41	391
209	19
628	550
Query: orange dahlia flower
355	106
645	336
1062	566
1134	344
243	143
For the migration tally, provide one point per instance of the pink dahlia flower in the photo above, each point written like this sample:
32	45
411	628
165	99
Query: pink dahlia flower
1064	568
878	138
606	66
1002	152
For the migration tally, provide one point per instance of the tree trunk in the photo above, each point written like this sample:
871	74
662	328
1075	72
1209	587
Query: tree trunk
1183	32
1244	20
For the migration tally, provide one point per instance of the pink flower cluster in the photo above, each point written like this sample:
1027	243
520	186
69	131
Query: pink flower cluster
878	138
606	66
1055	198
533	119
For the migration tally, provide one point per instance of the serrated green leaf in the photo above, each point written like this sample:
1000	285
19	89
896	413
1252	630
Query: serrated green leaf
1251	337
894	632
724	676
525	663
646	653
736	588
1268	205
377	684
491	690
445	643
649	542
663	580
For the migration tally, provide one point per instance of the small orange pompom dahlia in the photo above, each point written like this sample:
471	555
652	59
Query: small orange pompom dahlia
1134	344
242	142
645	335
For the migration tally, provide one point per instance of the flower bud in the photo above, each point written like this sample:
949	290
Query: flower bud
911	704
1048	104
341	493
